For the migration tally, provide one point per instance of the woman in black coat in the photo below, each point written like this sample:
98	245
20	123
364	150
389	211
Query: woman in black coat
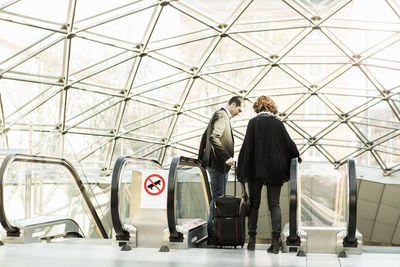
264	159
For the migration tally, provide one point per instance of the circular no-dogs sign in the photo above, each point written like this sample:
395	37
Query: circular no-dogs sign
154	184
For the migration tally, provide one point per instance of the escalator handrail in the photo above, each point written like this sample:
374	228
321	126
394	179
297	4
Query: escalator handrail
175	235
350	240
293	239
13	230
121	161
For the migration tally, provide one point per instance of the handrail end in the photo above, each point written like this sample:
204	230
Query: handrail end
14	233
177	237
293	240
350	242
122	236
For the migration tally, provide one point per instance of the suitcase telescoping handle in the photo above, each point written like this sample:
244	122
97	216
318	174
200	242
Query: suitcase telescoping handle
234	187
242	184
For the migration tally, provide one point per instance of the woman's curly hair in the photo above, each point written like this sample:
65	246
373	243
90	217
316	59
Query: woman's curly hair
264	103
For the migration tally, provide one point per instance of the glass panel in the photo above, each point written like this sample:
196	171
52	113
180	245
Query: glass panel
34	190
127	25
320	6
87	11
47	63
390	152
89	110
209	10
268	14
374	13
270	26
27	100
191	200
94	63
39	10
55	144
17	38
323	197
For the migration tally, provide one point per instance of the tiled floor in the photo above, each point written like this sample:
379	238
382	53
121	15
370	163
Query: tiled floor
99	253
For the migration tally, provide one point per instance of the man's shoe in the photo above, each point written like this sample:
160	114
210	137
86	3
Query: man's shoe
271	249
276	244
252	243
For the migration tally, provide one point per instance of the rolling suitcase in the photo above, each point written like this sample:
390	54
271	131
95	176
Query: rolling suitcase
227	226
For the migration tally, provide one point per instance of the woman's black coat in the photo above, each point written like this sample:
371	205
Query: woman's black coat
266	151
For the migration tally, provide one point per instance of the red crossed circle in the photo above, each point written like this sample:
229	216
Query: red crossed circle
150	185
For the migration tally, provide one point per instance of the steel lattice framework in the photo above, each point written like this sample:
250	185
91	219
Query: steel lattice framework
143	77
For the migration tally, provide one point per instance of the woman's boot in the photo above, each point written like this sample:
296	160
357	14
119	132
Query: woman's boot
252	243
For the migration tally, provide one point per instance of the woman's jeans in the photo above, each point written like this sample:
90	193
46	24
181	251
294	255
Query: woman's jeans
273	195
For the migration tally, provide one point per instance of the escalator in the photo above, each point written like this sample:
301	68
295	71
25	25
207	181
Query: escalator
156	207
171	210
188	201
138	218
322	212
43	198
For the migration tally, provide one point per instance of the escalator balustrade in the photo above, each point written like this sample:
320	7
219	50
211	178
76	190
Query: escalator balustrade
323	213
156	207
42	198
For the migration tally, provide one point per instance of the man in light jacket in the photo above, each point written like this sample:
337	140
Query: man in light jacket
217	147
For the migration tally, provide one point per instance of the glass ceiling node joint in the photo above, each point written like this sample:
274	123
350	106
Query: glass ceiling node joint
164	2
71	35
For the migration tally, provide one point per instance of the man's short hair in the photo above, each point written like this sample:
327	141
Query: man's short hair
238	100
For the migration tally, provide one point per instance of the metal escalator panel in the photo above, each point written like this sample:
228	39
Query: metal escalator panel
138	201
326	211
188	203
34	187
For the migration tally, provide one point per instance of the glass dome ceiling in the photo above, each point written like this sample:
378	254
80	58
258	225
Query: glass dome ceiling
95	79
